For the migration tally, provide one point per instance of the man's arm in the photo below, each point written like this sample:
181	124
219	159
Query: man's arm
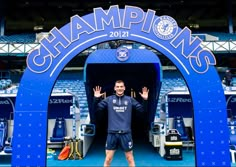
138	106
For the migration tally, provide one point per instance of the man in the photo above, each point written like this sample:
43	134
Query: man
119	108
228	77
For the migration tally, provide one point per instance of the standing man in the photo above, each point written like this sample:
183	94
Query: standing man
228	77
119	108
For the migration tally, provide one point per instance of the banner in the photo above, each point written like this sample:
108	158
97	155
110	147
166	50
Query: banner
58	106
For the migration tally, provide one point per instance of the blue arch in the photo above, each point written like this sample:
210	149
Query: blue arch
131	23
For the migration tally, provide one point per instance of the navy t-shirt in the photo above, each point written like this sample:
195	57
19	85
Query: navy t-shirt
119	111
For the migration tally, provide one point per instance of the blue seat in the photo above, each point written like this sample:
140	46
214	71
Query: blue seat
2	141
8	149
233	81
180	126
232	139
232	132
3	132
59	130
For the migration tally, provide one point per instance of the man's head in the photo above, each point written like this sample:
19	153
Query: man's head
119	87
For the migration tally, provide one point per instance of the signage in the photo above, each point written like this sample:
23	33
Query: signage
196	65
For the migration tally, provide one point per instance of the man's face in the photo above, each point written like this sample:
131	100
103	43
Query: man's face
119	88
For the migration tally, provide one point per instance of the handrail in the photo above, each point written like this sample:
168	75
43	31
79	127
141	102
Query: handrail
22	49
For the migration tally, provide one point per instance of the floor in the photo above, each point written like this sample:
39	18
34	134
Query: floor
144	153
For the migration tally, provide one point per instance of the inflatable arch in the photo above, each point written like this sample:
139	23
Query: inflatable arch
131	23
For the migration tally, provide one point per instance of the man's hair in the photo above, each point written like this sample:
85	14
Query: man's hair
120	81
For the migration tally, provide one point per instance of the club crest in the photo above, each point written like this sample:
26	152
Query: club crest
122	54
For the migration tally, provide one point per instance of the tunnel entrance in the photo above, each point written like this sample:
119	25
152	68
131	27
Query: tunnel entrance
102	70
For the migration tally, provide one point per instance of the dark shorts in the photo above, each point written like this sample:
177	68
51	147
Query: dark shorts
122	140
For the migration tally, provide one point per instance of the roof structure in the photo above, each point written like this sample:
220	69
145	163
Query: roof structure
43	15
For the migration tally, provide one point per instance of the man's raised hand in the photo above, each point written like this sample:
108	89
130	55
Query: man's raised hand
144	93
97	91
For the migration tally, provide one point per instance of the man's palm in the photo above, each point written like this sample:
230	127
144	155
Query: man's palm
144	93
97	91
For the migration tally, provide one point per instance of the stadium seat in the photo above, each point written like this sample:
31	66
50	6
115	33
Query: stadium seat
8	149
59	130
19	38
233	81
180	126
232	140
2	141
3	132
232	137
232	152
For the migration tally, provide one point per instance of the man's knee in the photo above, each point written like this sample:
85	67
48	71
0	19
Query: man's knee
108	159
130	158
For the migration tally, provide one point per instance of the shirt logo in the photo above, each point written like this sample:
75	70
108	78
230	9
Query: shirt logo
119	108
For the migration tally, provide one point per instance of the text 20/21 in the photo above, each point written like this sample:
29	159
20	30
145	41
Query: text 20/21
119	34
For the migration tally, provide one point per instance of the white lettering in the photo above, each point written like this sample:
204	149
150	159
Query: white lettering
119	34
119	109
4	102
60	101
112	15
174	151
199	59
78	27
173	138
41	59
179	100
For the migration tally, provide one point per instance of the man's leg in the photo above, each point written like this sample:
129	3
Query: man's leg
127	145
130	158
109	157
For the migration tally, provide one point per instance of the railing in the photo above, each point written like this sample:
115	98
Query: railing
21	49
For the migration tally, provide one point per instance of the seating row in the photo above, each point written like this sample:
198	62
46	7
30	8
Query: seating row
19	38
59	130
5	83
232	138
3	136
179	125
